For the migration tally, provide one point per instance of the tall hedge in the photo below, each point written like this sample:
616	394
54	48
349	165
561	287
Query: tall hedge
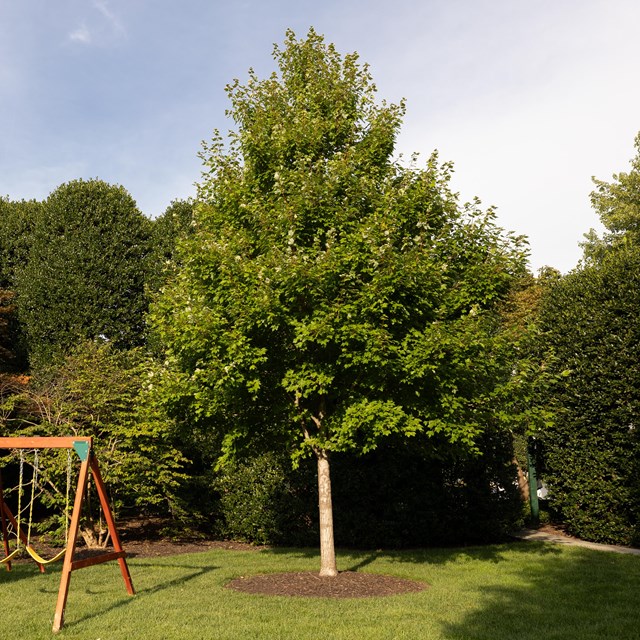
85	273
592	452
17	221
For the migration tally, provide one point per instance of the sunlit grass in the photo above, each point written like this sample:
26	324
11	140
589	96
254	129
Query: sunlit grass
519	591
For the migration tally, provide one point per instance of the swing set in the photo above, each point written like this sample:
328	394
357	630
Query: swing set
82	446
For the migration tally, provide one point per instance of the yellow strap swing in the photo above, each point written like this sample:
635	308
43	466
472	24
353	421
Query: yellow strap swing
29	548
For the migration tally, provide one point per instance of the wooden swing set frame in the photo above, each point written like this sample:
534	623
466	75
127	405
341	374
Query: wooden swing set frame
83	447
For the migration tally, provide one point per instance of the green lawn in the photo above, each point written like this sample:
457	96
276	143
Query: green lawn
518	591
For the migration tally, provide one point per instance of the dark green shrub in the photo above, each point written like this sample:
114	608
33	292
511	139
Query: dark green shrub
397	496
85	273
592	452
263	500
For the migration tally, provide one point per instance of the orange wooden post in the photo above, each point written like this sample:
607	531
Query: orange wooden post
115	538
3	517
65	579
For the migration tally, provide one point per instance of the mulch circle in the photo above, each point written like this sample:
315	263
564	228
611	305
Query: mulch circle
347	584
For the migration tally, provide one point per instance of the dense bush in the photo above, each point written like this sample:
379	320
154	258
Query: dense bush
175	223
396	496
592	451
17	221
263	500
102	392
423	500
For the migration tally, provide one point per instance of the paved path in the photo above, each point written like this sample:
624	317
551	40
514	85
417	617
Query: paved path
557	538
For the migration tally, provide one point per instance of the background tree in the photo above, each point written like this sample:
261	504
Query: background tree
176	222
12	357
331	298
592	450
85	272
17	221
617	204
590	319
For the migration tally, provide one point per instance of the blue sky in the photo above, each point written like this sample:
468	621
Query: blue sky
528	99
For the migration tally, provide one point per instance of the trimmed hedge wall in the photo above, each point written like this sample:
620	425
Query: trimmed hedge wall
591	455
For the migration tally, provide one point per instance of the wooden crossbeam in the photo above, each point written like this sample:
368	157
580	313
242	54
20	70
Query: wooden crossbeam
43	442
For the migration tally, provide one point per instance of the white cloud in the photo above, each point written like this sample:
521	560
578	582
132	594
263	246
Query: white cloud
81	35
103	7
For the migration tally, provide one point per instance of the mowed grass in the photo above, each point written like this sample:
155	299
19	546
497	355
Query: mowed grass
518	591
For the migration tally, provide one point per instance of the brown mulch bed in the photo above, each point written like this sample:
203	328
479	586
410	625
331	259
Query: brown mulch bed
157	548
144	539
347	584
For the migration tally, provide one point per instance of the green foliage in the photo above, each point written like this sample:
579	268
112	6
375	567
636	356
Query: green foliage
175	223
264	501
618	205
12	351
403	496
590	320
17	220
85	273
329	297
102	392
592	451
397	496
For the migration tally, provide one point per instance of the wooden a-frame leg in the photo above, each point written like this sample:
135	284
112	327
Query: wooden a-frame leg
106	510
65	579
3	517
11	518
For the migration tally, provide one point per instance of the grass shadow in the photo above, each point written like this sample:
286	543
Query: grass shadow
581	594
24	570
494	553
196	572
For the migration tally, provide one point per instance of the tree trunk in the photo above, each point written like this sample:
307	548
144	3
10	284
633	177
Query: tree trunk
328	566
523	482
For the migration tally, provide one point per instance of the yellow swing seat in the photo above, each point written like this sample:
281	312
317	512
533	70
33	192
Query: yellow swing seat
40	560
12	555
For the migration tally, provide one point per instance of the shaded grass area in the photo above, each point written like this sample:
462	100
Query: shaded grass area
516	591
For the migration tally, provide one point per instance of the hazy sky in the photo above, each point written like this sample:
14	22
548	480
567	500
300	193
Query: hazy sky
528	99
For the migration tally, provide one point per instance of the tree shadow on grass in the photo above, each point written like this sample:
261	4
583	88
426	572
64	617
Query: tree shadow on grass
530	590
24	570
494	553
195	572
578	595
491	553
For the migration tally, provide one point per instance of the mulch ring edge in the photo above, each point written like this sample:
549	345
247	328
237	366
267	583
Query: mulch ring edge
308	584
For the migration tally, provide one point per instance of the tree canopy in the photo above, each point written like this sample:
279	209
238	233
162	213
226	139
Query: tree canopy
330	296
167	229
617	203
17	220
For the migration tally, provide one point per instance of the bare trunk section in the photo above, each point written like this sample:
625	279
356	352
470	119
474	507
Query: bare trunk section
523	482
328	567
